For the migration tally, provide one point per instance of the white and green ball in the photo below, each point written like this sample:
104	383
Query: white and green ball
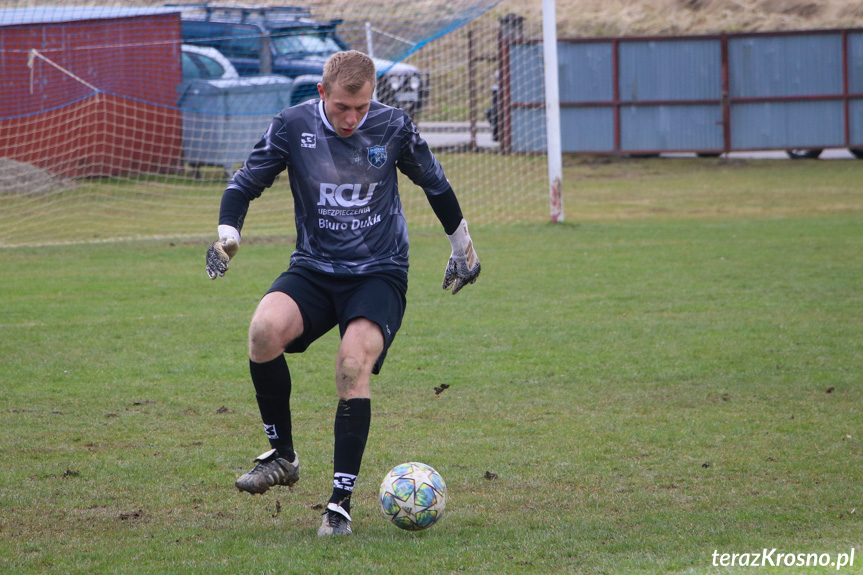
413	496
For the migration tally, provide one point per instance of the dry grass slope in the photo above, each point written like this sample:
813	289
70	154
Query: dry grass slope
578	18
629	17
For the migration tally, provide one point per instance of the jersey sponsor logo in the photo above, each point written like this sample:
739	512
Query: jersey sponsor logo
346	195
377	156
344	212
308	140
353	225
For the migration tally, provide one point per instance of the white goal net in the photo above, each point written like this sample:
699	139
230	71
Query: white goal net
122	120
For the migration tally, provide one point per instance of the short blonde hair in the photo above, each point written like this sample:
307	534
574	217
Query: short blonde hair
351	70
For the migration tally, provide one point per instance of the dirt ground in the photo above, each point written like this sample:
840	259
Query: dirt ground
20	178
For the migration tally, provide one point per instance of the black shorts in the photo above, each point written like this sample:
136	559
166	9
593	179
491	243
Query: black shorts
326	300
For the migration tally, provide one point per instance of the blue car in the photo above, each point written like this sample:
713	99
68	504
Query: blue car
287	41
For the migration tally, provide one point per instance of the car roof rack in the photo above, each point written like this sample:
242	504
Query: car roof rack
245	14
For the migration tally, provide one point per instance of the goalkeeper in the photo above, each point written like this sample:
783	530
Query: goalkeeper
350	264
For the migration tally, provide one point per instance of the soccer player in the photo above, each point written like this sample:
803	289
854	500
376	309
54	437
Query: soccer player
350	264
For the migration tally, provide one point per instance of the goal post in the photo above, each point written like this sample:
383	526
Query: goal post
552	110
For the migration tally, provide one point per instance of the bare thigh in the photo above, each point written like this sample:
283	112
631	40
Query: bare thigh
276	323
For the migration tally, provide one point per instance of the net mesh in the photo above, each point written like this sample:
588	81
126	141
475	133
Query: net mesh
105	135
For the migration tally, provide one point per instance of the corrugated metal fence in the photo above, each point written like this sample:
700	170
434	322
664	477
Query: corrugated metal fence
704	94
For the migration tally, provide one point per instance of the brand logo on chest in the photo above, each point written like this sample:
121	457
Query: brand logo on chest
346	195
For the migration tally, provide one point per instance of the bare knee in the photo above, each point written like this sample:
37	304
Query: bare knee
264	344
276	323
349	374
361	345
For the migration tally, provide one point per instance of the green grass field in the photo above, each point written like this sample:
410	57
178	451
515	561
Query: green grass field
675	371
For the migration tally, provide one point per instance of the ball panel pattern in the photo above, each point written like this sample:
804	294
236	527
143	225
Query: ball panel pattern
413	496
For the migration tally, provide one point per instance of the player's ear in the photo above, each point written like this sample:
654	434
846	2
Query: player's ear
321	91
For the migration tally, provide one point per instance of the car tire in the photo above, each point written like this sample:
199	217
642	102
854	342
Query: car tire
804	153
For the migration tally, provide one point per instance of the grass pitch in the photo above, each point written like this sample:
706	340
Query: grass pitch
675	372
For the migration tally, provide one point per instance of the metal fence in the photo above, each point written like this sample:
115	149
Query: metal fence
703	94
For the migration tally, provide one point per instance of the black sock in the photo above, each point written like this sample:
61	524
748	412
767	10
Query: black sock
351	430
272	381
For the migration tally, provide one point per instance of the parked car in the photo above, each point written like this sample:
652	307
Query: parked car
287	41
206	63
223	113
201	62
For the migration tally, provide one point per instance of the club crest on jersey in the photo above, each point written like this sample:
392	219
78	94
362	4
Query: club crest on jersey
378	156
307	140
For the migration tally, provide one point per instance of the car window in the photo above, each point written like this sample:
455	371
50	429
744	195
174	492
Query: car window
200	66
212	69
304	44
190	68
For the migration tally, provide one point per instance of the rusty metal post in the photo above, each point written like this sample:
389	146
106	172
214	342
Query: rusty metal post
471	76
511	30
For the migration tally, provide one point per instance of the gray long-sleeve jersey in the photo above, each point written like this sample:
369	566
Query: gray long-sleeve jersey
347	208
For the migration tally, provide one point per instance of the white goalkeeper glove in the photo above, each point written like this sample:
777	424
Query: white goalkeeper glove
463	267
221	251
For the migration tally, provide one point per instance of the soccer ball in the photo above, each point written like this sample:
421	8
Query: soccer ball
413	496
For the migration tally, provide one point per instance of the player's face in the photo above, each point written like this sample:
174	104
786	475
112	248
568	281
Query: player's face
345	110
